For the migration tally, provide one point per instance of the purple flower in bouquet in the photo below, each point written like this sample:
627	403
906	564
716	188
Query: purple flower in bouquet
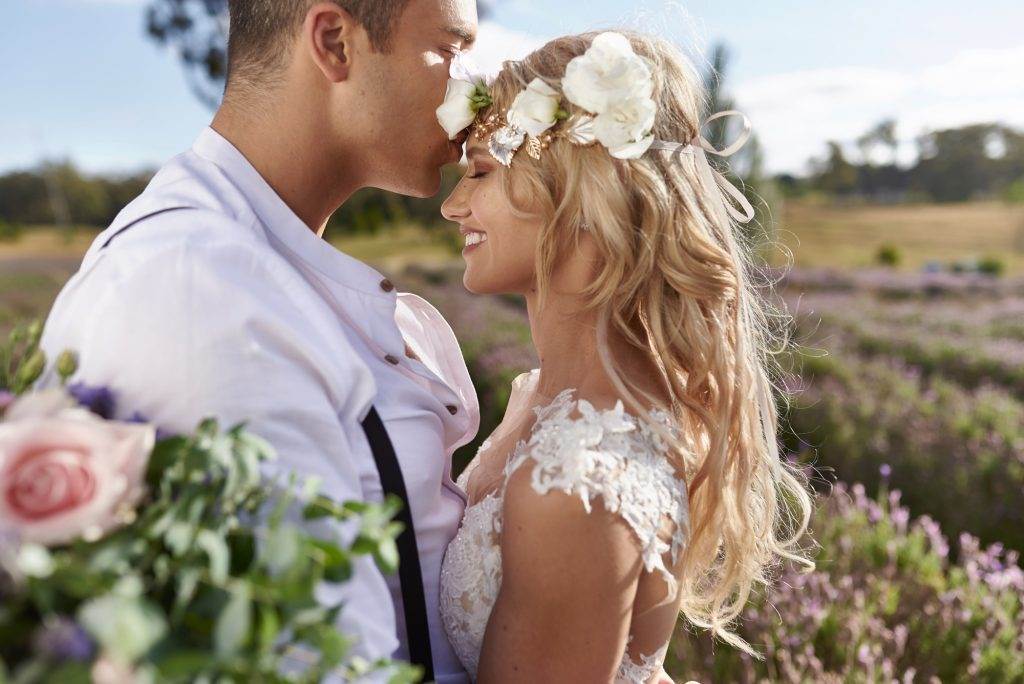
6	399
99	400
61	640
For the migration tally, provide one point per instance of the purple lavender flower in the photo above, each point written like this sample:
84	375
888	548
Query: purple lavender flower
885	470
99	400
62	639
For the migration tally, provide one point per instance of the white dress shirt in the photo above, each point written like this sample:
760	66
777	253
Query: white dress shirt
214	299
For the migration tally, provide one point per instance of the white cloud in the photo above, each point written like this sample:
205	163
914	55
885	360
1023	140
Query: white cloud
795	113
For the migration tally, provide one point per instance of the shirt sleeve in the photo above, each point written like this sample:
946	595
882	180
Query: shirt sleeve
217	327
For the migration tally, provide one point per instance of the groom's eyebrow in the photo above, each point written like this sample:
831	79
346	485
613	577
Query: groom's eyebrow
466	35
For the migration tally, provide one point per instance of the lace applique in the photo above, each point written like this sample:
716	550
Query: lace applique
611	455
606	454
470	580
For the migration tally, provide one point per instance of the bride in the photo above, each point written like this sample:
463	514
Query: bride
635	474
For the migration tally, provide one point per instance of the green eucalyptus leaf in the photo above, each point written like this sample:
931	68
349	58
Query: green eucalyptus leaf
386	555
217	551
281	549
231	632
269	628
184	665
125	627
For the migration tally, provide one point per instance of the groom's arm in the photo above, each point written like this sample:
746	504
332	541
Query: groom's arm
212	327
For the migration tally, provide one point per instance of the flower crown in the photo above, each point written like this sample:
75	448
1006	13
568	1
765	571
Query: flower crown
612	85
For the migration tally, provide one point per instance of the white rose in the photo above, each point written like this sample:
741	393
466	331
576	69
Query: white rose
457	112
607	73
625	128
535	109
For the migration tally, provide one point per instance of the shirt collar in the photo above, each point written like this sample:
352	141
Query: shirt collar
278	218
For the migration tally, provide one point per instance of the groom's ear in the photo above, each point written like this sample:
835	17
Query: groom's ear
329	32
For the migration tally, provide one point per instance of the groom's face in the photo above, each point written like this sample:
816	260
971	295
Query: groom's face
404	86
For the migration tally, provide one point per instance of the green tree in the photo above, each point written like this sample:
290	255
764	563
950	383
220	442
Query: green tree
955	164
835	175
883	134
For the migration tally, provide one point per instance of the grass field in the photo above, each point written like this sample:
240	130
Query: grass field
849	237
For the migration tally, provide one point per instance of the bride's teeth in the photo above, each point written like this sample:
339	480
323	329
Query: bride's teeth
475	238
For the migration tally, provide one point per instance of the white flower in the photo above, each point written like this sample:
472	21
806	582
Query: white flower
457	113
608	73
625	128
535	110
468	93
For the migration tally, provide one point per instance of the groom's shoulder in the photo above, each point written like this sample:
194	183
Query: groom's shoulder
187	201
185	213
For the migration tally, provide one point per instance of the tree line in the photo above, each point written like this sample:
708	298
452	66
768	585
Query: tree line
61	194
978	161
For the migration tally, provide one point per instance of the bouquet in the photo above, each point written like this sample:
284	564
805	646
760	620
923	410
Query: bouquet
128	555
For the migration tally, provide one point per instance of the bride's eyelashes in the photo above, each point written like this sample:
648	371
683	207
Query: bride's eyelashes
478	174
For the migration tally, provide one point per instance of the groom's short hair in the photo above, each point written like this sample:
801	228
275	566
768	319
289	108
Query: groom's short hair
261	30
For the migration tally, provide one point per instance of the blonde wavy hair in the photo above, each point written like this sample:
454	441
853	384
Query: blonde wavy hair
676	281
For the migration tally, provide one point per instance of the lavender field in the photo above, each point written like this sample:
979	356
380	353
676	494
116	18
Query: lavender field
906	404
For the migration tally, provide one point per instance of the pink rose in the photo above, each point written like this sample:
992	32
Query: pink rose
65	473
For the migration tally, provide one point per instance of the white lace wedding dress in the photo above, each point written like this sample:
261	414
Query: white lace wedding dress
604	455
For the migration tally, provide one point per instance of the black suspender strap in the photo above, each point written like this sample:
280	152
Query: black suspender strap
413	600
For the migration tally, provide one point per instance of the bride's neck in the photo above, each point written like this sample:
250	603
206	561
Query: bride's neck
566	344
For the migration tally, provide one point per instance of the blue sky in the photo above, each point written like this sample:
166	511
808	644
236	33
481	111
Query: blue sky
80	80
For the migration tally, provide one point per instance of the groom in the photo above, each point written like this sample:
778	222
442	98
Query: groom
213	294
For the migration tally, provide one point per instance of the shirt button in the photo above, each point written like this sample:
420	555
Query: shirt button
387	285
452	409
393	360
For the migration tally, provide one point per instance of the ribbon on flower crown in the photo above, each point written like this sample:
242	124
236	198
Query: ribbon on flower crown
699	145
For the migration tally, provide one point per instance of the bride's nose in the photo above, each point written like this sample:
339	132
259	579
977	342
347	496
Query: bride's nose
456	208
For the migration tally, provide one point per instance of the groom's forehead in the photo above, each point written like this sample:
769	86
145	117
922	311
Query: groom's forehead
458	18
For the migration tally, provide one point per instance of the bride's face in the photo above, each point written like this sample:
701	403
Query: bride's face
501	244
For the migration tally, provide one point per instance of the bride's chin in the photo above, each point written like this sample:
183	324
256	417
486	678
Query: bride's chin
474	285
479	283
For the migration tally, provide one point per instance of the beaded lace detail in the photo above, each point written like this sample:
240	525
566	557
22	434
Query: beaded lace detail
600	454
